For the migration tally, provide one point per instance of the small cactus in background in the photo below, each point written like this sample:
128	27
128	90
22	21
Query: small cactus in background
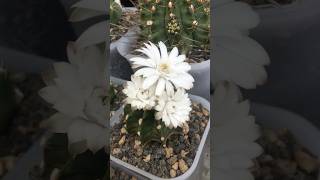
181	23
8	100
143	124
115	11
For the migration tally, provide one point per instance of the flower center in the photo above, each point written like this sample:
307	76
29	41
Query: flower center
164	67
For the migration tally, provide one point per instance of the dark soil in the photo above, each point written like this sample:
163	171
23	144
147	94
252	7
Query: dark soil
170	161
24	128
264	2
284	158
37	27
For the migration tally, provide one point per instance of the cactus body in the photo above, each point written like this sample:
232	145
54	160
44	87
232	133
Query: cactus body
115	12
181	23
144	124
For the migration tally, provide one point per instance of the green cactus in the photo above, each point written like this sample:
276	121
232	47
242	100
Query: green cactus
115	12
144	124
181	23
7	100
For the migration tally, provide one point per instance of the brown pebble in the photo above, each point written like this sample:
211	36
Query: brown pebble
133	178
169	152
123	131
116	151
147	158
122	140
203	124
183	166
183	153
124	158
185	128
136	144
139	151
173	159
306	161
173	173
175	166
198	137
205	112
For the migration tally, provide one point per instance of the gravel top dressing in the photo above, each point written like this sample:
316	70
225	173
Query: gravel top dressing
284	158
168	161
128	20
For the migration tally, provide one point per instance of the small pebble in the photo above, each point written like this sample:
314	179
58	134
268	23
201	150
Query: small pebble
306	162
123	131
183	166
147	158
183	153
116	151
175	166
173	173
169	152
122	140
205	112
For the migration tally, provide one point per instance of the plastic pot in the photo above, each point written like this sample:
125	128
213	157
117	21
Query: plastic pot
194	172
199	71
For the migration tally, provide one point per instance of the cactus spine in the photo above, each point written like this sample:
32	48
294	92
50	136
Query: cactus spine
181	23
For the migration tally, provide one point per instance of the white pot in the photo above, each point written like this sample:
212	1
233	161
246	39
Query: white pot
199	71
286	20
276	118
194	172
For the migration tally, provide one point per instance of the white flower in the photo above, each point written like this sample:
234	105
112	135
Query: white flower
237	58
76	90
173	109
235	133
138	97
165	70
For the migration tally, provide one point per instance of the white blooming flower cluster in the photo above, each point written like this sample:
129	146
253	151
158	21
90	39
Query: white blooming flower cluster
77	90
160	83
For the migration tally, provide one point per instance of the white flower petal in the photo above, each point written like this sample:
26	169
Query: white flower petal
149	81
160	87
163	50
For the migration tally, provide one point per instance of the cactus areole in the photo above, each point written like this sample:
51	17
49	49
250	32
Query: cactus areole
181	23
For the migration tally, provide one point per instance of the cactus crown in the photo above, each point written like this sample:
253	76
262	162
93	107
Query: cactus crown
115	12
143	123
181	23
